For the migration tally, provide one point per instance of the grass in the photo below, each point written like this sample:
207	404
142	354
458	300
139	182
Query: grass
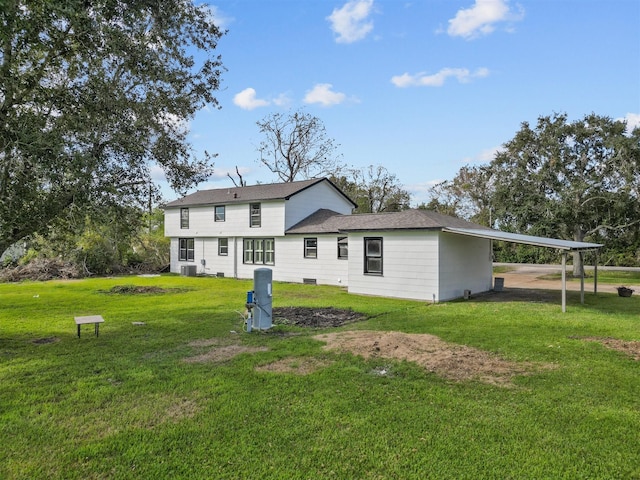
615	277
125	404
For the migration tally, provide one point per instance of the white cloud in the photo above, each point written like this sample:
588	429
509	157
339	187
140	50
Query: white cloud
173	121
247	100
633	121
481	18
221	173
463	75
350	22
420	192
282	100
322	94
157	174
219	18
484	157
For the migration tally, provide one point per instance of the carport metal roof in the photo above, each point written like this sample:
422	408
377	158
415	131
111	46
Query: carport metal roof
564	245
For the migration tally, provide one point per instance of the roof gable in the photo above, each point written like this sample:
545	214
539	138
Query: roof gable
253	193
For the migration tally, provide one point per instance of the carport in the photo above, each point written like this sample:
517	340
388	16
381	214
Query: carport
566	246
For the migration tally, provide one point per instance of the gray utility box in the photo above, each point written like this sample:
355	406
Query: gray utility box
188	270
262	297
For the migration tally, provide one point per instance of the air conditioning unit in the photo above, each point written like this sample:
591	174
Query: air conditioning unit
188	270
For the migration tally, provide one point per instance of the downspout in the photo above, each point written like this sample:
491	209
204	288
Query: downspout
235	257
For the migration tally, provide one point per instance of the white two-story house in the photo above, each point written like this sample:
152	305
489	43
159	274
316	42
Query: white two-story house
304	231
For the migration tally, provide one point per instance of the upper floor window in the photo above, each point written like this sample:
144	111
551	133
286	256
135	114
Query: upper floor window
343	247
219	213
223	246
373	255
254	215
310	248
184	218
186	249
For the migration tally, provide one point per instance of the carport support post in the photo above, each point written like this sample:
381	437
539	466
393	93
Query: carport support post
564	282
581	277
595	274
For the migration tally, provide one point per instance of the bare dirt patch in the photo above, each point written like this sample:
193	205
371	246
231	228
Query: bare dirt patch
530	295
45	341
180	409
315	317
628	347
223	353
451	361
138	290
298	366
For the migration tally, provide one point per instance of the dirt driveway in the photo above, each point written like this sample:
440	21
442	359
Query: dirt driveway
529	276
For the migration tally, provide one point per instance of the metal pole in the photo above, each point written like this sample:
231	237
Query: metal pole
595	274
564	282
581	277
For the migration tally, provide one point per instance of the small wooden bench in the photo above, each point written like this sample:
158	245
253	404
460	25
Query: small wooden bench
95	319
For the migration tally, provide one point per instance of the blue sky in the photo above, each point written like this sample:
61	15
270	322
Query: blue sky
420	87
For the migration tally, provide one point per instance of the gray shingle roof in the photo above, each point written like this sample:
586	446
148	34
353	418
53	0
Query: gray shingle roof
253	193
327	221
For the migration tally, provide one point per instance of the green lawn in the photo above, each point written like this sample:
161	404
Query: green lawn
615	277
126	404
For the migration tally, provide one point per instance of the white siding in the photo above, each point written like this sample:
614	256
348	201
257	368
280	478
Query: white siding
205	249
236	224
320	195
326	269
465	264
410	265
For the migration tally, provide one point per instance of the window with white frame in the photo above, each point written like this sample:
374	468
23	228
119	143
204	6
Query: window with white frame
259	251
219	215
184	218
186	249
223	246
254	215
310	248
373	255
343	247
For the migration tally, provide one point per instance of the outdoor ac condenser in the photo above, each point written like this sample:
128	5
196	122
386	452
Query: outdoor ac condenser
188	270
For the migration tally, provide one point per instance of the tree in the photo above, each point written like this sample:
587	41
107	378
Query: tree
94	94
374	189
241	182
297	145
573	180
466	196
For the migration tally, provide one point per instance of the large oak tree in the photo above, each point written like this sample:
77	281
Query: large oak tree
575	180
93	94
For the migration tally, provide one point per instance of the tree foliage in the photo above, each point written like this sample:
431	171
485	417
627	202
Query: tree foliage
374	189
296	146
94	94
465	196
106	241
575	180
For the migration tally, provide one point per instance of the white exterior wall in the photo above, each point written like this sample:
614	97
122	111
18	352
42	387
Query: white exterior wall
290	264
326	269
306	202
409	269
236	224
465	264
